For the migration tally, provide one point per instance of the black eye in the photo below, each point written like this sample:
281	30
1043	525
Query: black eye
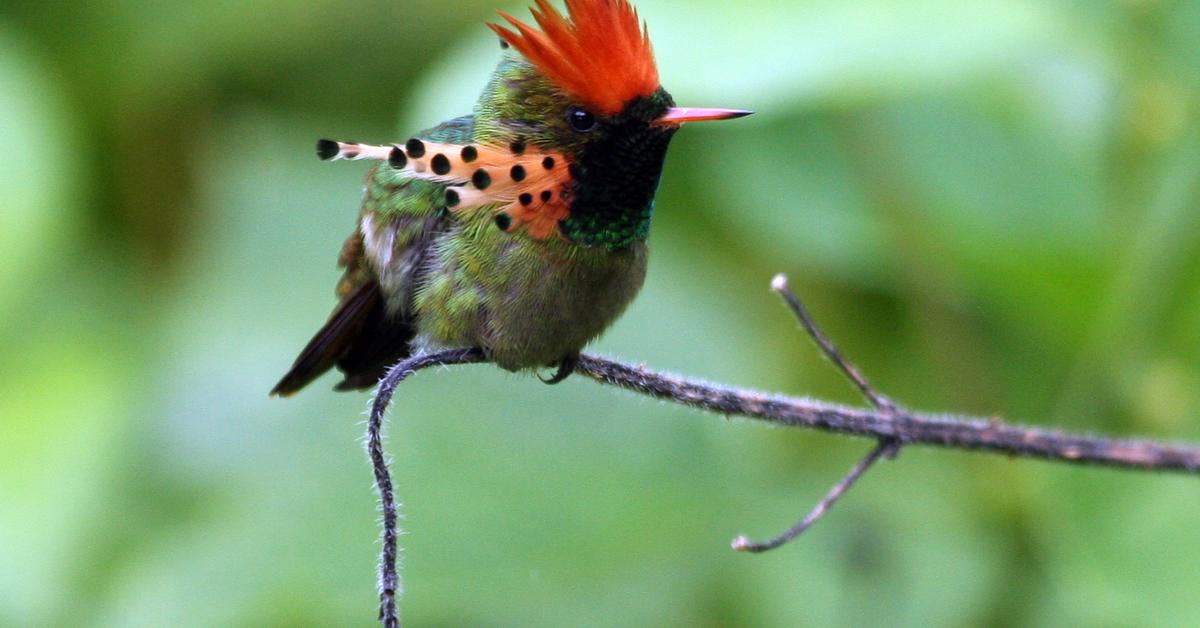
580	119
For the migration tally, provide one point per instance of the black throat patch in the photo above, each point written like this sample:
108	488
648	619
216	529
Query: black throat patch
617	175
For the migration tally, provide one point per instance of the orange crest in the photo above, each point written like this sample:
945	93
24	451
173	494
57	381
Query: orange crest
599	54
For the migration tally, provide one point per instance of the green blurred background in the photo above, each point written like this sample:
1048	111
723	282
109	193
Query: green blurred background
992	206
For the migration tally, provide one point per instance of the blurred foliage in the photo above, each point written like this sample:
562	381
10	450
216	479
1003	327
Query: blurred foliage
994	207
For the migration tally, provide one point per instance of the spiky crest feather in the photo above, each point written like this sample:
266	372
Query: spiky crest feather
535	201
600	54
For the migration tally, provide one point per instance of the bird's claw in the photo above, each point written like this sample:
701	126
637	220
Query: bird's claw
565	367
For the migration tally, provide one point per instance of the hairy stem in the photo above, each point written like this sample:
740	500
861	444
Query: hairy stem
389	580
908	428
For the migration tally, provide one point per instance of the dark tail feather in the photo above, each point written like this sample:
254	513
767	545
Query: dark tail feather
334	341
384	342
360	338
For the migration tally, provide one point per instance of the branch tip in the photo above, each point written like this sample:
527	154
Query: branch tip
779	283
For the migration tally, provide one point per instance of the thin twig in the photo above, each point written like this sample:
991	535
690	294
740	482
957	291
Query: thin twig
884	448
389	581
780	285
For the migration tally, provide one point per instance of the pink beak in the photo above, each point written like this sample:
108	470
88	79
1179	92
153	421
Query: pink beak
680	115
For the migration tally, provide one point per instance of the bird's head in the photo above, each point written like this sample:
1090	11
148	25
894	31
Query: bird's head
586	85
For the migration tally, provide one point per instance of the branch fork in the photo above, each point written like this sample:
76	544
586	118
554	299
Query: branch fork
888	446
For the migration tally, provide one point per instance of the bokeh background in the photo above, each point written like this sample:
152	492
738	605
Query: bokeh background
992	206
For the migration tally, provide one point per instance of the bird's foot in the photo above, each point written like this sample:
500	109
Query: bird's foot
566	366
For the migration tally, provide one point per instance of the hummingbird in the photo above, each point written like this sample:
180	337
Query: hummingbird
520	229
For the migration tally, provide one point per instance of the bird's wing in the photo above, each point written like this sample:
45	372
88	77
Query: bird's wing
371	327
